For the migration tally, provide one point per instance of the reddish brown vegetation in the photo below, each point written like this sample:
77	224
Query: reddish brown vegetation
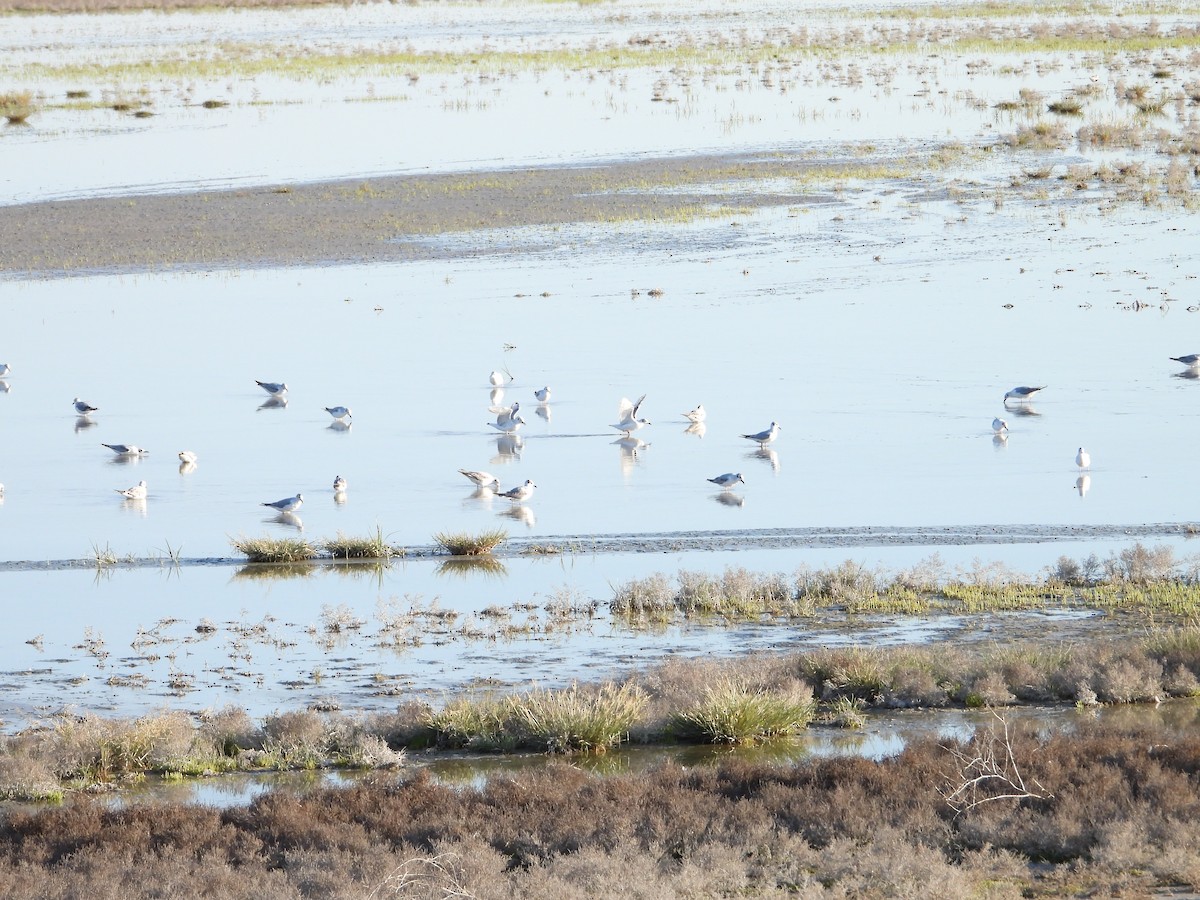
1124	815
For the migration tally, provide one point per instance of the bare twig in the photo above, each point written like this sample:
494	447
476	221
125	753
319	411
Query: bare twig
991	774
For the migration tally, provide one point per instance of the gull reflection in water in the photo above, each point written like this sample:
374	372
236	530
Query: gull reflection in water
340	425
135	505
289	519
696	428
729	498
339	498
543	410
631	452
496	396
83	423
1186	373
1083	484
508	448
1022	409
4	386
520	513
482	496
187	467
767	455
1000	441
274	403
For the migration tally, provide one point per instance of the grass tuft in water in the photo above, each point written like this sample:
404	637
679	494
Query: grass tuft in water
461	543
275	550
16	106
370	547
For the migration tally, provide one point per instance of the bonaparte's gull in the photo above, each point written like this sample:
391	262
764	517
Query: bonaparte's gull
187	457
275	389
508	426
764	437
999	425
339	484
728	480
1083	459
137	492
82	408
339	412
1022	393
499	379
627	415
696	415
506	413
482	479
5	370
125	449
1192	360
287	504
520	493
543	396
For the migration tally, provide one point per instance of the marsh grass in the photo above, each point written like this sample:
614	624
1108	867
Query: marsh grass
578	719
1135	579
275	550
1070	106
16	106
733	712
462	543
372	546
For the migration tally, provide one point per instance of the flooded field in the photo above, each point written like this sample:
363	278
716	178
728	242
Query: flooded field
878	315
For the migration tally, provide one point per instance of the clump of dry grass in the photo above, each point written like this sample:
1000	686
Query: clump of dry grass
16	106
1070	106
461	543
1041	135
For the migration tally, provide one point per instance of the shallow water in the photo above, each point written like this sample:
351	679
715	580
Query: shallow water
884	375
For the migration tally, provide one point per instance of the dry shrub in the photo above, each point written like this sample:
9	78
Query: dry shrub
990	689
229	731
298	738
28	779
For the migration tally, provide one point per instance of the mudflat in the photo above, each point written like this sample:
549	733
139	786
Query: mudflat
388	218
